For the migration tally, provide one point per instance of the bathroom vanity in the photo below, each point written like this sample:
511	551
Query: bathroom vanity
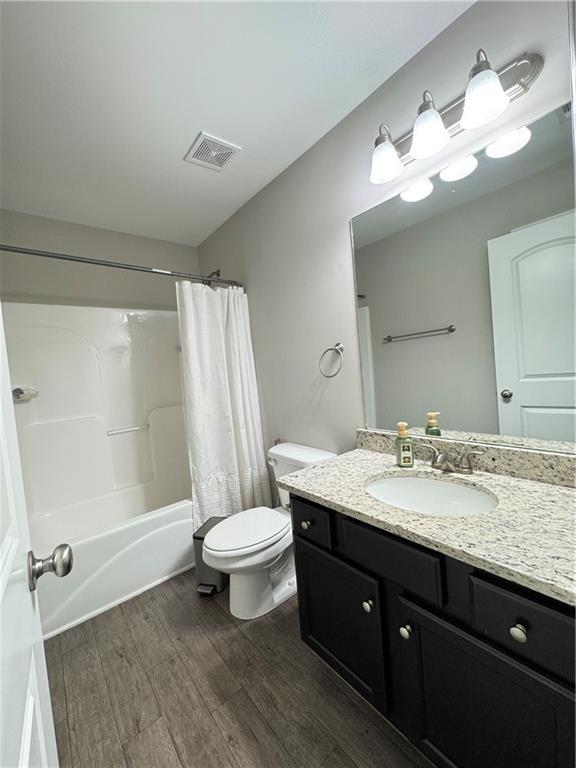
459	630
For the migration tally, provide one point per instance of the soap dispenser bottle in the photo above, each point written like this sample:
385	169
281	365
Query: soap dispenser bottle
432	427
404	452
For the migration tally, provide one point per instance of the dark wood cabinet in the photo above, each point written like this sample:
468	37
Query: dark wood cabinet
473	706
312	522
427	640
532	631
390	558
341	619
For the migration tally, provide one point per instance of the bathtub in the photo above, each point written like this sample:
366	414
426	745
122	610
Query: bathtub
113	561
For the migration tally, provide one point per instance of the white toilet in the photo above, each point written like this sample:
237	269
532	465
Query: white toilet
255	546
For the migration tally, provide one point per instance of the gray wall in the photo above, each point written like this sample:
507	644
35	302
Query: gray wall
290	244
30	278
436	273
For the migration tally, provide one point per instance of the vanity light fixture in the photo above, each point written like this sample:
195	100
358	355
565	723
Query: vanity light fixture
386	165
429	133
510	143
485	98
417	191
459	169
488	92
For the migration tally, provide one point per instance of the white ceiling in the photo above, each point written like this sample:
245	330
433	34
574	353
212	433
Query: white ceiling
100	101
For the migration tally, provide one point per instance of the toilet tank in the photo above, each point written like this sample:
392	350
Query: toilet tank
285	458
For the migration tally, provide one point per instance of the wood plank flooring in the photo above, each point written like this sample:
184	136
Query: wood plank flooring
171	680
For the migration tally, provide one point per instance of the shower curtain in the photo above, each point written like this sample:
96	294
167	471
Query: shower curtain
221	407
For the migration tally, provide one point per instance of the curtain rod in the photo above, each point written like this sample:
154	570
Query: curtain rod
214	277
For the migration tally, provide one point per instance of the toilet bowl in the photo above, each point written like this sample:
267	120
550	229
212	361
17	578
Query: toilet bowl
255	546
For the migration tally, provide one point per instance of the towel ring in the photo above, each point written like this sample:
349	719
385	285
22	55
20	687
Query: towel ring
339	349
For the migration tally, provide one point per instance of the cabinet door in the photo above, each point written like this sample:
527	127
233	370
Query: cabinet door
341	619
474	706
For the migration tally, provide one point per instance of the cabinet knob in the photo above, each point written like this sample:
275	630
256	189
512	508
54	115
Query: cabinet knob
368	605
305	524
405	632
519	633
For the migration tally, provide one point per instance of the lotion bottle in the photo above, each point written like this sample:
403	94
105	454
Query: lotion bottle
404	452
432	427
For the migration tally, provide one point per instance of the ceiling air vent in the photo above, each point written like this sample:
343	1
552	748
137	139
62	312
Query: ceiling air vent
210	152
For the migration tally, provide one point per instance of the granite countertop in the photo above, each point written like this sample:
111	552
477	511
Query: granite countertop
528	538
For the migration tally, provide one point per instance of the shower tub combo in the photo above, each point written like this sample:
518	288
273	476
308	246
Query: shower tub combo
104	459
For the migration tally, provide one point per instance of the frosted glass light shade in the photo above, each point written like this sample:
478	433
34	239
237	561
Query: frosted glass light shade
485	100
386	165
510	143
418	191
459	169
429	135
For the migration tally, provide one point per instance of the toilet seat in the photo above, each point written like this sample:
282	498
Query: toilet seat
247	531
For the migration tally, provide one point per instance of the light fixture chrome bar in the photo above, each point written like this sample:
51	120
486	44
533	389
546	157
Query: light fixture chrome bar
214	277
420	334
516	77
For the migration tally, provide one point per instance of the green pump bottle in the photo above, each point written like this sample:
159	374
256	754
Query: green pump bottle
432	427
404	451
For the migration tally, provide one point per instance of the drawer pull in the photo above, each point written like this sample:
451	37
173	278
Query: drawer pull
306	524
405	632
368	605
519	633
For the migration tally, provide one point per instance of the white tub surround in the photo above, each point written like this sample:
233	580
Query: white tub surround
105	434
528	538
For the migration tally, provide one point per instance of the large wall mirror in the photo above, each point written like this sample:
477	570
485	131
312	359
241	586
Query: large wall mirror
466	298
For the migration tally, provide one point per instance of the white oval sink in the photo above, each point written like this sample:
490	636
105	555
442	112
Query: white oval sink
432	497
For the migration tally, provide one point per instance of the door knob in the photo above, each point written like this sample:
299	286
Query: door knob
506	394
59	562
23	394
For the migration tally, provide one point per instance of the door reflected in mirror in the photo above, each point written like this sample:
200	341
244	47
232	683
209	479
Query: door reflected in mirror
466	298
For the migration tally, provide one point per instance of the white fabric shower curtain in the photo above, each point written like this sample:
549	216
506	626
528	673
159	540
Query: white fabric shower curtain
221	406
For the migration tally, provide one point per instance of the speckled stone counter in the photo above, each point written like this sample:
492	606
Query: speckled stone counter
528	538
514	461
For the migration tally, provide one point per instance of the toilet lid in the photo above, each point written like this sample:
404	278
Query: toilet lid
247	529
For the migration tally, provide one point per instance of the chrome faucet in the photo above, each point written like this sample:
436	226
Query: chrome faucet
441	460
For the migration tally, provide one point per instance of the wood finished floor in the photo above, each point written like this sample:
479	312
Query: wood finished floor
170	680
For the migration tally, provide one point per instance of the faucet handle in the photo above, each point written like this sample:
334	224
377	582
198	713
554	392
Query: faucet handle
440	459
465	460
435	451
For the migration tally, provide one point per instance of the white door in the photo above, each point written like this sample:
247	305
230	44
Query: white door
532	273
26	725
367	365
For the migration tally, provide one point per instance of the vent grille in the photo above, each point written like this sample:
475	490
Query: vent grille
210	152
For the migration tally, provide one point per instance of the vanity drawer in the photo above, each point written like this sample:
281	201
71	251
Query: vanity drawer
501	616
417	571
312	522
